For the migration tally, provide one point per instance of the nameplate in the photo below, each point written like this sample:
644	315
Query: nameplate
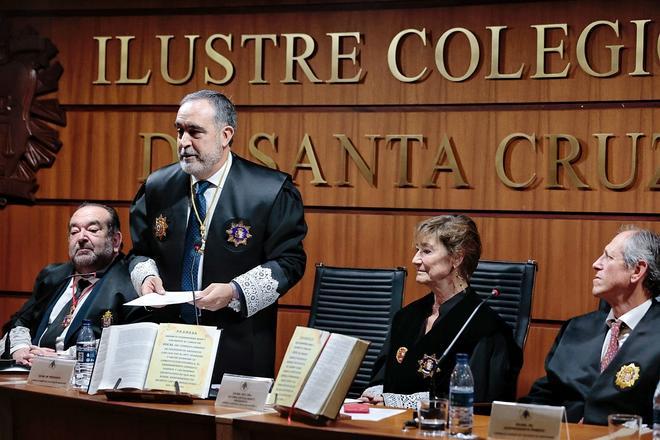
516	420
51	372
246	392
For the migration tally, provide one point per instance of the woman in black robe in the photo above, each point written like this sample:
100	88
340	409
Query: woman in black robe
413	360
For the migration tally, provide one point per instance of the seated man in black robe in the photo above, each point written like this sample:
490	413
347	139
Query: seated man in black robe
609	361
93	285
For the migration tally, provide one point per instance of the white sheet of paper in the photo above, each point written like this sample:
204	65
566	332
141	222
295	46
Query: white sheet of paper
165	299
243	391
51	372
374	415
510	420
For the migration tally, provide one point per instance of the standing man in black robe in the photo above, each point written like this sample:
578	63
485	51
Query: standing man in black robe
222	225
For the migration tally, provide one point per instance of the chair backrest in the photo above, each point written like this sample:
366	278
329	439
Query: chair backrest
360	303
515	284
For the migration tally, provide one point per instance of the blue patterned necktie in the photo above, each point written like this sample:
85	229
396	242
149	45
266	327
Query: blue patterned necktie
189	273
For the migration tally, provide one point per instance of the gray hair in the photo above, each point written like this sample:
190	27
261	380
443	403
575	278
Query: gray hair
459	234
643	245
225	112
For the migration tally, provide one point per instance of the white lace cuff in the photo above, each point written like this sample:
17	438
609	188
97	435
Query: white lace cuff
141	271
373	391
404	400
19	337
259	289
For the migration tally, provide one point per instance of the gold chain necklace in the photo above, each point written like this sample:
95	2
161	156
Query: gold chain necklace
203	224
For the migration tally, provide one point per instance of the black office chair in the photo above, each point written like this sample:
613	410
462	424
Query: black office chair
515	284
359	303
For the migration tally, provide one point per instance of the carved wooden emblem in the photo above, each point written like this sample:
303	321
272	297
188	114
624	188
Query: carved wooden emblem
28	142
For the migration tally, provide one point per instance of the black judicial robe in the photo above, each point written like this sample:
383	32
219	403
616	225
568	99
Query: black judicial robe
573	377
109	294
495	358
264	199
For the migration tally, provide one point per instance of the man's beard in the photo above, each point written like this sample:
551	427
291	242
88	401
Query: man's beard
204	164
94	261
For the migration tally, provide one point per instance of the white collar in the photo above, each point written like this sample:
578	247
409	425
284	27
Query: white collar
220	174
632	317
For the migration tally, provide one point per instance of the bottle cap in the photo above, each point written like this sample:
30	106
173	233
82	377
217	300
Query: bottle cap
461	357
87	321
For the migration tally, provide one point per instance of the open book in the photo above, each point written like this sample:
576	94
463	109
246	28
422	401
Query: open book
317	372
148	356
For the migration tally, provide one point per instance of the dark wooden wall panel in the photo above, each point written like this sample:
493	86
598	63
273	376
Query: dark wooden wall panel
563	248
539	342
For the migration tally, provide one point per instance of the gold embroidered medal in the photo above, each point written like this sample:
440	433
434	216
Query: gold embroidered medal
627	376
106	318
238	233
160	227
401	354
428	365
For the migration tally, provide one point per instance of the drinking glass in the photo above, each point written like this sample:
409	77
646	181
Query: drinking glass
624	426
432	414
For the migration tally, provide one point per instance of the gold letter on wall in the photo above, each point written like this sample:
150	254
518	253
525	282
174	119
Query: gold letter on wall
292	59
541	50
446	150
393	59
495	57
103	43
307	149
615	50
654	184
440	54
554	162
368	173
260	155
336	56
603	161
164	58
147	147
404	165
501	160
258	54
639	48
218	58
123	64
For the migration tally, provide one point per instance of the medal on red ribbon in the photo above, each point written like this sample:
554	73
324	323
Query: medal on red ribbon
160	227
401	354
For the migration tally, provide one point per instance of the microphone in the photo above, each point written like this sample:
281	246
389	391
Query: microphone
493	294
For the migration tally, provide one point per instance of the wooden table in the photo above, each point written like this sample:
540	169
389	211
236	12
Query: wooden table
34	412
271	426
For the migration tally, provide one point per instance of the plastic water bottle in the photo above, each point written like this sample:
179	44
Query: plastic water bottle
656	413
461	397
85	355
